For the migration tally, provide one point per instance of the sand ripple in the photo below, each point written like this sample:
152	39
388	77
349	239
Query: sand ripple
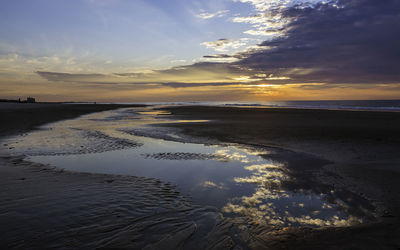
45	208
67	142
187	156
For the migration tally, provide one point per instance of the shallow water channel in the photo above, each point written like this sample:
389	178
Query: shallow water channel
234	178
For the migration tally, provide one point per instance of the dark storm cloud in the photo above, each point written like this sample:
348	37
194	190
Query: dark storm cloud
350	41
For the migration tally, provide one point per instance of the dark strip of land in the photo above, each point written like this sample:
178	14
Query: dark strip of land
22	117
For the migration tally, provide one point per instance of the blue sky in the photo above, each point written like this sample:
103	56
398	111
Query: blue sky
137	34
188	50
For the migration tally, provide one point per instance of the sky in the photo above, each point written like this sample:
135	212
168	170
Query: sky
199	50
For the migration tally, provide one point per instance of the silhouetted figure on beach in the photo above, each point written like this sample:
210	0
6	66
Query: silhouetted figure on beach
30	100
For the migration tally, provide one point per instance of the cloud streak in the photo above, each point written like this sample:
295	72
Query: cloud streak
209	15
199	74
224	44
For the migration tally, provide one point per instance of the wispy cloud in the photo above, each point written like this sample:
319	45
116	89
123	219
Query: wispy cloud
205	72
57	76
178	61
220	58
224	44
209	15
269	19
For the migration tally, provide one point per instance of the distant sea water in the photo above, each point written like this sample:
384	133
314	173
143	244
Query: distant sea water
367	105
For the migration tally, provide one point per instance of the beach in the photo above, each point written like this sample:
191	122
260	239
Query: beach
47	208
359	145
361	148
351	151
22	117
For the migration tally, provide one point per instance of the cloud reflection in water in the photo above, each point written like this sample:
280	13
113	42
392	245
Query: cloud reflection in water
272	204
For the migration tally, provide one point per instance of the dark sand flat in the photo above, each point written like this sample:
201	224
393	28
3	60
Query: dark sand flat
42	207
22	117
46	208
362	152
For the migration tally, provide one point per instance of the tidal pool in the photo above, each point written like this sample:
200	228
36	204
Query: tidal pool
240	181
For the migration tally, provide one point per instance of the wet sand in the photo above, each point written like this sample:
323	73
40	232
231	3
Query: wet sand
361	150
42	207
45	208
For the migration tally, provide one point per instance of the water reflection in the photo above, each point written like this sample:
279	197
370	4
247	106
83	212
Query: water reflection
234	178
273	204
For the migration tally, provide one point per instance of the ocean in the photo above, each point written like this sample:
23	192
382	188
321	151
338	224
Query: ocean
366	105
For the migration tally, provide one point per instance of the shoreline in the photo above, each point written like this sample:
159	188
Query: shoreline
355	109
23	117
383	232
